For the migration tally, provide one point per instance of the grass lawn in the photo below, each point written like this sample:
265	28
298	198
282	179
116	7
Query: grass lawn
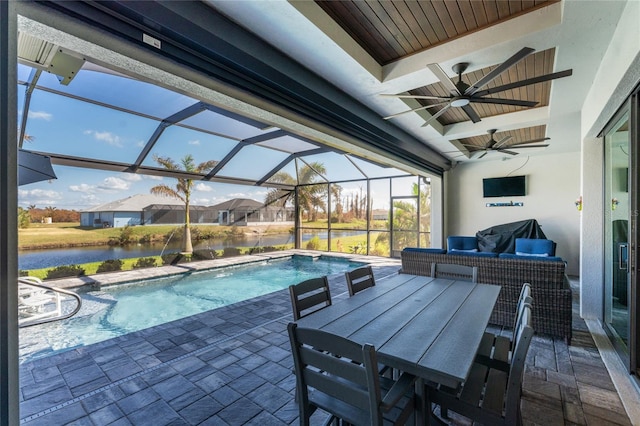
39	235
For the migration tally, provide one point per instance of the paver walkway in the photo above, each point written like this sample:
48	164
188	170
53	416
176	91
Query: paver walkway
233	366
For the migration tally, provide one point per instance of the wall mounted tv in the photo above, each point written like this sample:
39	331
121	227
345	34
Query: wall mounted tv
511	186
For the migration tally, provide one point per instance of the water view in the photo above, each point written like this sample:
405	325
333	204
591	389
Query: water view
36	259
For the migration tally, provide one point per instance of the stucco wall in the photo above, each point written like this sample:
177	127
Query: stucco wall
618	75
553	184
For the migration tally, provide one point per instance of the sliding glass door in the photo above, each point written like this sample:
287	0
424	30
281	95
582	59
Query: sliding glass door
616	244
621	233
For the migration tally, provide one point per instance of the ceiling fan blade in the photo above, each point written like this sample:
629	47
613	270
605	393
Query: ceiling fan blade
530	141
444	79
506	151
528	146
500	101
502	141
471	113
523	83
413	110
524	52
437	114
435	98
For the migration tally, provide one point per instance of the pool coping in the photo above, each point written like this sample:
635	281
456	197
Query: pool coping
95	282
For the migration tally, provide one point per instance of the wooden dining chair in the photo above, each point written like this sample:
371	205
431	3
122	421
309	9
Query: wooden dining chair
359	279
454	272
309	296
339	376
491	394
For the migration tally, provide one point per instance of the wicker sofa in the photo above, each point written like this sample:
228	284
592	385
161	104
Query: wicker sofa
551	292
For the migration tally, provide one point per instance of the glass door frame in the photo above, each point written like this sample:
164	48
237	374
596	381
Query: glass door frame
630	355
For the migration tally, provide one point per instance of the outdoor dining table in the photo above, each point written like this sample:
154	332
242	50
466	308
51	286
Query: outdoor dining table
429	327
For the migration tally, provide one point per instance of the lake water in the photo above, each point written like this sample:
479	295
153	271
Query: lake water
36	259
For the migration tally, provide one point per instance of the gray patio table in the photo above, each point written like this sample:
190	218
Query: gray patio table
429	327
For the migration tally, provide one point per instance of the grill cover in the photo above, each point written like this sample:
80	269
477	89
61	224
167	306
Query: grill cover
502	238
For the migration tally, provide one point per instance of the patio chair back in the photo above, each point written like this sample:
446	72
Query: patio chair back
340	377
525	298
309	296
359	279
516	372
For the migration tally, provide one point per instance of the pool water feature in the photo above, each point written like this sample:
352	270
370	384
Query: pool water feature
121	309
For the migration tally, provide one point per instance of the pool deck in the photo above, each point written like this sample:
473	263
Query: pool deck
233	366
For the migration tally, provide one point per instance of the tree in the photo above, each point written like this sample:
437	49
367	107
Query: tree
24	218
310	197
50	210
183	188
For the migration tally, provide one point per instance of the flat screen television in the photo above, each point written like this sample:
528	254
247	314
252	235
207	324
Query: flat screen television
511	186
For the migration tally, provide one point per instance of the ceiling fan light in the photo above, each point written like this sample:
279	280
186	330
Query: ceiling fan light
460	102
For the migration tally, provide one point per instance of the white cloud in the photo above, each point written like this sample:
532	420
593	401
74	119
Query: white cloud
194	142
83	187
39	197
114	184
40	115
108	137
131	177
152	177
39	193
202	201
238	195
203	187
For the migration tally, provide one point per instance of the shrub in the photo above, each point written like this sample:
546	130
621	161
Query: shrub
110	265
231	251
144	262
125	237
171	258
65	271
145	239
313	243
175	258
265	249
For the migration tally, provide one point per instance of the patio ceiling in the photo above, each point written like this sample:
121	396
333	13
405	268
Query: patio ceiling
313	73
383	47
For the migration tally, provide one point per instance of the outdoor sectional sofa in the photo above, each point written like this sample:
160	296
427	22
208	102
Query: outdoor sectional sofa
550	288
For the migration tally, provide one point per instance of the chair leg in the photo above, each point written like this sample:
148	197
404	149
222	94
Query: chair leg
444	412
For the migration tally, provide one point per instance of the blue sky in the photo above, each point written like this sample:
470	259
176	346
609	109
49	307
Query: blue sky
65	125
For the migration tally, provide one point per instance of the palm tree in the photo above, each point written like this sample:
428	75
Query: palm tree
183	188
310	197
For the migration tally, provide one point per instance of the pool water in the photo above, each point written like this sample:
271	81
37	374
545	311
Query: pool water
125	308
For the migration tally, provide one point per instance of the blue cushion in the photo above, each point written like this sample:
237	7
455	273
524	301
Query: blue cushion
425	250
535	246
529	257
461	243
473	253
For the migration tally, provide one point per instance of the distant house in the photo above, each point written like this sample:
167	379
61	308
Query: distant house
141	209
379	214
244	211
148	209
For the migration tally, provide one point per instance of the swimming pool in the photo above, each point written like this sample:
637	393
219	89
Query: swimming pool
125	308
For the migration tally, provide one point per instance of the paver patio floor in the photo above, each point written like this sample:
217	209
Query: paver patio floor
233	366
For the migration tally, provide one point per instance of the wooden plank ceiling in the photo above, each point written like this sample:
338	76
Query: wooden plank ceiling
518	136
392	30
